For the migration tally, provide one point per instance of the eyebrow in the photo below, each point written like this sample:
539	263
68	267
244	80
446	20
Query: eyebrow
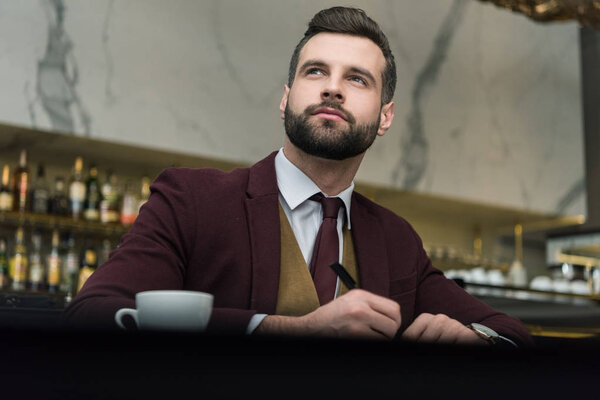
364	72
318	63
311	63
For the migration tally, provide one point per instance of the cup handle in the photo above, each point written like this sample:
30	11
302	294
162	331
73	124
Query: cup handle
126	311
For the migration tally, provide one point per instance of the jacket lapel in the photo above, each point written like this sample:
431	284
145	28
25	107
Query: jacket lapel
263	228
369	245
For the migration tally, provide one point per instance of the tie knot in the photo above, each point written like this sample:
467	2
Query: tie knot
331	205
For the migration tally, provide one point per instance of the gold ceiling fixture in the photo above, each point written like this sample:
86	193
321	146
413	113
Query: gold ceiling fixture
587	12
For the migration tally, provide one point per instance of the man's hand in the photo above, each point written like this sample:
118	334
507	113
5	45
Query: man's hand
357	314
440	328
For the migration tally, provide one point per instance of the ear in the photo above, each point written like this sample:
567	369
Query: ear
387	116
284	100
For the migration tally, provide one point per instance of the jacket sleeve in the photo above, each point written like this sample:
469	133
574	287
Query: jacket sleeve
153	255
438	295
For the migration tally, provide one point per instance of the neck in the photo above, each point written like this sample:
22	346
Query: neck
331	176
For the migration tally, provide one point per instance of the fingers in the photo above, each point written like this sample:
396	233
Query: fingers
453	331
467	336
363	331
380	314
356	314
384	325
417	328
387	307
428	328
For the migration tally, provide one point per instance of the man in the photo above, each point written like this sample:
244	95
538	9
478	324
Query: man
261	239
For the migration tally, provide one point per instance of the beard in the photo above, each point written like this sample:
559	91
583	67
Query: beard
326	138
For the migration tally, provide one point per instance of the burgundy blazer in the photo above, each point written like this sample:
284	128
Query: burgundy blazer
218	232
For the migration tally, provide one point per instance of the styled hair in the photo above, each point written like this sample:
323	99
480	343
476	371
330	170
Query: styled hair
350	21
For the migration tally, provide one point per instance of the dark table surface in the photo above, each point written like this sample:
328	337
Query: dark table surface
105	365
38	358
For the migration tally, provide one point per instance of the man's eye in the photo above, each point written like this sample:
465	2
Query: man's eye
358	79
314	71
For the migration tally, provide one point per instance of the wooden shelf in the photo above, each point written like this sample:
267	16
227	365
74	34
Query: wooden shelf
42	299
49	222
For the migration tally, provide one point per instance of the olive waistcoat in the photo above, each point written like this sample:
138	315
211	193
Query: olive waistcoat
297	294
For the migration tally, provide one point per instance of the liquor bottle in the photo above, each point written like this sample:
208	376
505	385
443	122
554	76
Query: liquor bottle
91	207
21	178
6	195
18	263
62	250
88	266
105	250
129	210
4	274
54	264
77	190
39	192
145	192
517	274
36	266
109	205
71	268
59	202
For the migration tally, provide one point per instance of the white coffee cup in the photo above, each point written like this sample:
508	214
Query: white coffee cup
171	310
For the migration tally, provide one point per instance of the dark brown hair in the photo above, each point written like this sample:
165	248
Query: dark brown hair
351	21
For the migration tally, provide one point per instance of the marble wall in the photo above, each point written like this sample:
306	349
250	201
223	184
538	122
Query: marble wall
487	103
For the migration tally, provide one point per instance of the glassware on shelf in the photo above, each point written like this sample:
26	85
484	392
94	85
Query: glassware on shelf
53	274
93	197
39	192
77	190
129	210
59	202
88	266
109	206
21	181
105	249
18	263
70	268
6	195
36	266
144	192
517	275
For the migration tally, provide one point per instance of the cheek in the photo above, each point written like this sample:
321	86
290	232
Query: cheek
296	102
304	92
366	110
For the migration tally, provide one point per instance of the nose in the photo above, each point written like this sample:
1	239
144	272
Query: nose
333	92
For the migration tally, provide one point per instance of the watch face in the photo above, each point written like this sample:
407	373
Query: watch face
490	333
491	336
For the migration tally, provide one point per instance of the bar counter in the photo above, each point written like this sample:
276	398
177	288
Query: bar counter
41	359
58	364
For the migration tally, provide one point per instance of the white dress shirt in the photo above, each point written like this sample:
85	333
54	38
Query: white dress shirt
304	215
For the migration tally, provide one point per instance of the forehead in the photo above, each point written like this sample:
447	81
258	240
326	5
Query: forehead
344	50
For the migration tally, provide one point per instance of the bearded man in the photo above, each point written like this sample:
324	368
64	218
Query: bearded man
261	239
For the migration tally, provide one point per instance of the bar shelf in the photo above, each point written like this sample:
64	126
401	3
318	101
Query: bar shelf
49	222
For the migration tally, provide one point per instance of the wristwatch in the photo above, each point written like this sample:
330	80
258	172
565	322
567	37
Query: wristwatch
487	334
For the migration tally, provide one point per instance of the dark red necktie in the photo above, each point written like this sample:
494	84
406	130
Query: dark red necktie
327	248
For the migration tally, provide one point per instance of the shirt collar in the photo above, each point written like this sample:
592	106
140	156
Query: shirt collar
296	187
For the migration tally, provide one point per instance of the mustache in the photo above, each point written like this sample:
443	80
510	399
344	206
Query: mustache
330	104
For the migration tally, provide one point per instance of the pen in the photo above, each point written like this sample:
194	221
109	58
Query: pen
344	275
